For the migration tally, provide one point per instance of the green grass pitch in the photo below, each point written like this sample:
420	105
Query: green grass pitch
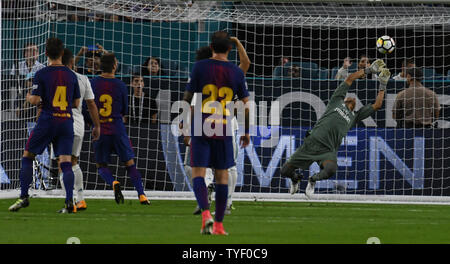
172	222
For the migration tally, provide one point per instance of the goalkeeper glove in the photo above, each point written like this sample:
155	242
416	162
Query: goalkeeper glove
375	67
384	78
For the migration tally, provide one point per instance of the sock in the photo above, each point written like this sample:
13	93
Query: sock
328	170
221	201
106	175
68	178
209	177
78	185
136	179
201	192
25	176
78	182
61	180
232	180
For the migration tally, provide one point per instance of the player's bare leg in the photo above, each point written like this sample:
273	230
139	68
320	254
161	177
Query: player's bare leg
26	177
328	170
221	201
201	195
136	179
289	171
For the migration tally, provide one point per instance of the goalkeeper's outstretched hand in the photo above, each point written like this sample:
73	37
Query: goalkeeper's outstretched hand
376	67
384	78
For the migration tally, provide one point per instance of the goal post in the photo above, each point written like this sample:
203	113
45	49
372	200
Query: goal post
296	49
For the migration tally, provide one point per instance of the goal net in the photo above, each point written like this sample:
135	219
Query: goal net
299	50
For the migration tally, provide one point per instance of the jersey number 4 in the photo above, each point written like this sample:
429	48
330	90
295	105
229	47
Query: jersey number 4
60	99
107	100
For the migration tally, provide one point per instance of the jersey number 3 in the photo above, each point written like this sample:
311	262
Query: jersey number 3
60	99
106	110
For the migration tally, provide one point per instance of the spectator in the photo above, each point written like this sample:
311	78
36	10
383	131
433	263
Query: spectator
30	64
343	73
364	63
117	18
152	67
92	57
283	61
23	73
415	106
409	63
294	71
143	107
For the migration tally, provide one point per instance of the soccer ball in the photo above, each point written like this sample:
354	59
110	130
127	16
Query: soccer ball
385	44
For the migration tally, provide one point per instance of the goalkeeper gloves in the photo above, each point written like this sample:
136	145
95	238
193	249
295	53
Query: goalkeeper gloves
384	78
375	67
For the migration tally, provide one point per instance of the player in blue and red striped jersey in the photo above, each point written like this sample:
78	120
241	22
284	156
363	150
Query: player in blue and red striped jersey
56	88
111	98
216	81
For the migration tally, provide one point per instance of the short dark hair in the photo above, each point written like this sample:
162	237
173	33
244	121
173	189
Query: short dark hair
67	56
54	48
220	42
203	53
406	62
363	56
107	62
147	61
415	73
144	69
136	75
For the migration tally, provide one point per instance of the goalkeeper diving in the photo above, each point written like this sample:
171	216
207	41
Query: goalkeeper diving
322	143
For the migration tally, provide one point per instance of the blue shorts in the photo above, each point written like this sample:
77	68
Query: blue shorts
48	130
212	153
118	144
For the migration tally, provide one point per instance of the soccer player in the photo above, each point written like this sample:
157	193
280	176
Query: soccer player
206	53
217	81
322	143
111	98
78	127
56	88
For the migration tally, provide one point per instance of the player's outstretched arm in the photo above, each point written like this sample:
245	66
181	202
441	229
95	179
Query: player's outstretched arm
383	79
243	57
352	77
379	101
93	112
375	67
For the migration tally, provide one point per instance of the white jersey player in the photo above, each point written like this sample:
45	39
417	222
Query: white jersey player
205	53
86	94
